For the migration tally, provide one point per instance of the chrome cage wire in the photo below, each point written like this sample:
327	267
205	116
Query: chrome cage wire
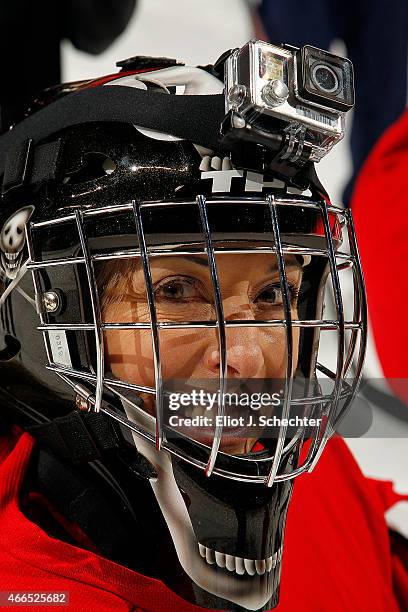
358	326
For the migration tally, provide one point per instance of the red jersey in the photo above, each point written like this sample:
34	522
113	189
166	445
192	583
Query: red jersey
337	554
380	212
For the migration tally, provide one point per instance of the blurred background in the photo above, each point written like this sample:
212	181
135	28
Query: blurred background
88	37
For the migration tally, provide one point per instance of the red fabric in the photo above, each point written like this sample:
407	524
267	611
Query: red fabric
112	77
380	211
337	553
41	504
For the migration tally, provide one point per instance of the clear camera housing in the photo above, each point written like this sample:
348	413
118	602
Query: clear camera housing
305	90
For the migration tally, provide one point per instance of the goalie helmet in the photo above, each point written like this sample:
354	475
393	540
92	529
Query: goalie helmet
147	258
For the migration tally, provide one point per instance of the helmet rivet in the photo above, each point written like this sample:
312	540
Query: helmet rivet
238	121
236	95
81	403
275	92
51	301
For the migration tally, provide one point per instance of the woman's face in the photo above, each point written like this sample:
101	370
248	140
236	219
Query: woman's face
183	291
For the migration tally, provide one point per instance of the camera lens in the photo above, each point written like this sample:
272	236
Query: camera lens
325	78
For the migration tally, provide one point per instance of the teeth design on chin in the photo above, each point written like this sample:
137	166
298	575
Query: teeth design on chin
260	567
230	563
210	556
219	559
202	550
250	566
239	565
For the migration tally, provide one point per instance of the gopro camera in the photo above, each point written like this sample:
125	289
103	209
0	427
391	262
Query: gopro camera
292	101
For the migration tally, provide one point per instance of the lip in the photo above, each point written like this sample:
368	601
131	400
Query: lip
231	436
239	425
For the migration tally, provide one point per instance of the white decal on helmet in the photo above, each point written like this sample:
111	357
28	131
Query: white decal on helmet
12	241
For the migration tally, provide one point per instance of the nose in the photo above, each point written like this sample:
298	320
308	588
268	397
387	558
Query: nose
244	353
243	360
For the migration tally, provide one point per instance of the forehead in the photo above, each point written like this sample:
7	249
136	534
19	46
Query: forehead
249	258
244	263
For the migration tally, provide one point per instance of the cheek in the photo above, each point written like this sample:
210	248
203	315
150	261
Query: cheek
129	354
274	351
182	351
296	338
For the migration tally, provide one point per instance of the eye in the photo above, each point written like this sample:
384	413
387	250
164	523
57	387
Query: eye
270	295
177	289
273	295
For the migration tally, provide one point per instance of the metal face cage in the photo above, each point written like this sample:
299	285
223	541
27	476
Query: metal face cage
94	386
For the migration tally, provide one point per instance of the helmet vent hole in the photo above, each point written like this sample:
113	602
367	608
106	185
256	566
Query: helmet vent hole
94	165
109	166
